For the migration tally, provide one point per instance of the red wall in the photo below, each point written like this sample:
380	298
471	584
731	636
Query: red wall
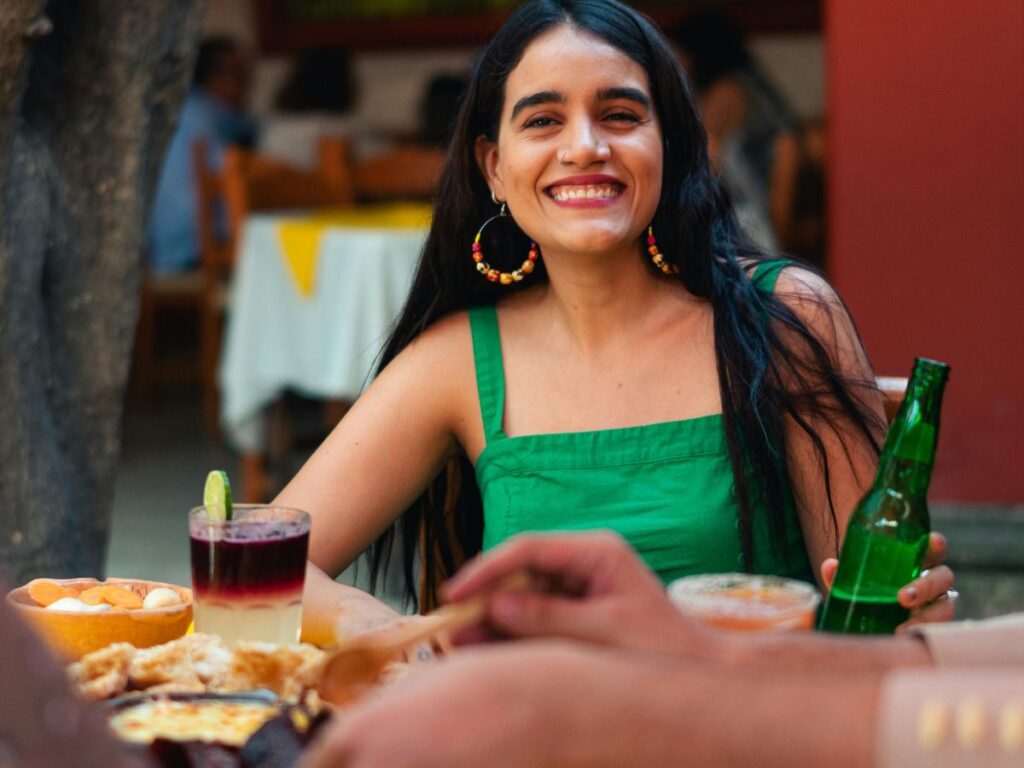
926	213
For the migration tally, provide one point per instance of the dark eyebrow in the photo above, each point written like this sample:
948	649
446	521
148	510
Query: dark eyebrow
625	92
543	97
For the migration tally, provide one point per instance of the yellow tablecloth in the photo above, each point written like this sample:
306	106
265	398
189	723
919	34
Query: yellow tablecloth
300	237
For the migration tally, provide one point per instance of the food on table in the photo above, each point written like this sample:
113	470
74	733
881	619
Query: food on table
46	593
103	674
221	721
72	604
82	615
284	669
111	594
161	597
212	731
57	597
192	664
198	663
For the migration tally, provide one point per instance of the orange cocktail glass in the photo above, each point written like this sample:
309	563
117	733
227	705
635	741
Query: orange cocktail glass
746	602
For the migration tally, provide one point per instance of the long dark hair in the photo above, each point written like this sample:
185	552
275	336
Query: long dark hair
770	364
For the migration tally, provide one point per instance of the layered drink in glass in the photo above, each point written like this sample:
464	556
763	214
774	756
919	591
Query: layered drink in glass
248	572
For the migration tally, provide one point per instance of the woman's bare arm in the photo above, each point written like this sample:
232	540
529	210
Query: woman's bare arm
851	458
377	461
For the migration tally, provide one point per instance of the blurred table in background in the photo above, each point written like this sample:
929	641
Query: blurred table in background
312	301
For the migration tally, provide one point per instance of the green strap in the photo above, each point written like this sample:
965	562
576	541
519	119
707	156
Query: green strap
766	274
490	371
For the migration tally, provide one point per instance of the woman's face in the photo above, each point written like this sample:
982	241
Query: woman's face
579	155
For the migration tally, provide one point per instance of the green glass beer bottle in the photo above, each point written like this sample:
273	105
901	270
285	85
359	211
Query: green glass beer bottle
887	536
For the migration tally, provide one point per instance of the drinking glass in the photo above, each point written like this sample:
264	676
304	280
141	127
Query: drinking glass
248	572
742	601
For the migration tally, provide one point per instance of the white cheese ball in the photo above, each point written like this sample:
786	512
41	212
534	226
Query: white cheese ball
161	597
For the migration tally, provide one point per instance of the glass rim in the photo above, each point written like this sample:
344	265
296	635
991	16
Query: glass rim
702	594
199	514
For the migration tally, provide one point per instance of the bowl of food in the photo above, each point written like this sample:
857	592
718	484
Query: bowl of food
252	728
78	616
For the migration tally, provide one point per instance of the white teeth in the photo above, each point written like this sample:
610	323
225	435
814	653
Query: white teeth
585	192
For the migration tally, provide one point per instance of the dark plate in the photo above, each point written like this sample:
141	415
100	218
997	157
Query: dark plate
258	695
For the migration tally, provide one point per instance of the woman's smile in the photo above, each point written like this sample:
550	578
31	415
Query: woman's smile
586	191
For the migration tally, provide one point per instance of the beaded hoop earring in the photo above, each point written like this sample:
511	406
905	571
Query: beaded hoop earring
494	275
657	256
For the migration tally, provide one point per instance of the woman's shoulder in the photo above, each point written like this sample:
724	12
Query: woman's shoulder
435	368
800	281
791	281
813	300
452	336
445	338
811	296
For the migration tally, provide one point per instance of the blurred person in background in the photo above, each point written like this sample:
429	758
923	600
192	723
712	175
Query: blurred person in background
317	100
770	163
214	113
742	112
440	107
798	193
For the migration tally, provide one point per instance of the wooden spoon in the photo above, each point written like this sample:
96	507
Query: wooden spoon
358	662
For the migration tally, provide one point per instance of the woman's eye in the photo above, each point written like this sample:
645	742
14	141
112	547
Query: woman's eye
538	122
626	117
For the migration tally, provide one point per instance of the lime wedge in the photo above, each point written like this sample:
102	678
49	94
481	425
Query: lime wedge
217	495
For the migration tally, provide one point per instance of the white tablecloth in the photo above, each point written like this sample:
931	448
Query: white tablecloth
324	345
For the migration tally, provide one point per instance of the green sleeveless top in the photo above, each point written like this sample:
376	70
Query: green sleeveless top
667	488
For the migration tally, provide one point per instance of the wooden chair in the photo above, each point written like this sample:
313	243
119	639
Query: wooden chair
186	292
334	161
254	183
893	389
159	296
407	172
216	258
250	183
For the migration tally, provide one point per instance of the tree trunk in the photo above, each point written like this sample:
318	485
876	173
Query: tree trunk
89	94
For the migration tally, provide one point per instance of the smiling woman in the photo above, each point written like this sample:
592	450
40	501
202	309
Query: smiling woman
578	156
648	370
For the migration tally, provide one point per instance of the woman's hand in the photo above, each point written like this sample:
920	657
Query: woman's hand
587	587
332	612
930	597
362	614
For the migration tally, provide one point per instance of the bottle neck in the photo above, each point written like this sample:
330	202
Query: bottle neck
909	453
